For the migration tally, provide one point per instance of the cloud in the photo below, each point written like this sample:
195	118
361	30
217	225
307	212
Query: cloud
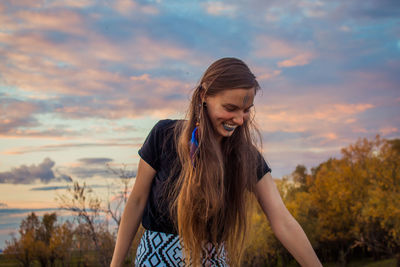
299	118
345	28
376	10
18	119
217	8
314	9
72	3
60	20
388	130
27	3
294	54
128	7
95	161
49	188
299	60
3	205
49	148
30	174
69	75
15	114
264	73
85	172
18	211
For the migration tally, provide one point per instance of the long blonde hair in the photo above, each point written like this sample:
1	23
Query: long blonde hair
210	200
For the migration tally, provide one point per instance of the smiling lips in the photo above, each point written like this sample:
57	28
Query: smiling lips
229	127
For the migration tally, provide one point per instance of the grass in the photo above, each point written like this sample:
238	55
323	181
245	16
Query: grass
366	263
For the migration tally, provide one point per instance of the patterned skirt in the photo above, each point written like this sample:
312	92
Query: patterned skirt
162	249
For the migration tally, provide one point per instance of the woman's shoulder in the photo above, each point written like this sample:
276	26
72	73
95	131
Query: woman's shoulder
167	124
167	128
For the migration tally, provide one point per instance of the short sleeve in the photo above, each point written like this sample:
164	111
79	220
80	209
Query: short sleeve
151	148
262	167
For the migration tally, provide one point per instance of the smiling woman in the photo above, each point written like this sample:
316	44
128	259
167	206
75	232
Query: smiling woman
195	178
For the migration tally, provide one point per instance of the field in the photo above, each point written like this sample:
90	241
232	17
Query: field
359	263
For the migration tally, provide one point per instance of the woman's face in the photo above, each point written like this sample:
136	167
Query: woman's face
229	109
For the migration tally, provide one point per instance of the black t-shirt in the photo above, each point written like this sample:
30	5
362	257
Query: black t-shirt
160	153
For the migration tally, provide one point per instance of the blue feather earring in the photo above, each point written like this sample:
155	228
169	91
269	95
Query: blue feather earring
194	141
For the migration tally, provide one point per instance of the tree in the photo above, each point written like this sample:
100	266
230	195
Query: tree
380	220
61	244
357	199
300	176
119	199
262	248
82	202
24	249
43	235
36	241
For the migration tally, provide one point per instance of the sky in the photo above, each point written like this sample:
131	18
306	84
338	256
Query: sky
82	82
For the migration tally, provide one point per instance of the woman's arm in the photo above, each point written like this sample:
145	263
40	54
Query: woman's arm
285	227
133	212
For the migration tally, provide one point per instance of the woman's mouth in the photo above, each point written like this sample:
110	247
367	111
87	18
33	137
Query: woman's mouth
229	127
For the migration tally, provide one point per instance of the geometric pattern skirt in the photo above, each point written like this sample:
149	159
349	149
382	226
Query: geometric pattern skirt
162	249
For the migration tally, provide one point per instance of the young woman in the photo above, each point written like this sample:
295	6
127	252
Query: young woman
195	178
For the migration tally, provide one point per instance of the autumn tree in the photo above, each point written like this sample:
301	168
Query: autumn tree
61	244
40	240
357	199
262	248
380	220
23	249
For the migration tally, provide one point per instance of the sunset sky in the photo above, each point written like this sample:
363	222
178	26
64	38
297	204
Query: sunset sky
83	81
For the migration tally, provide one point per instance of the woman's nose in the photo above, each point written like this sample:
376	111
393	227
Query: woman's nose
239	118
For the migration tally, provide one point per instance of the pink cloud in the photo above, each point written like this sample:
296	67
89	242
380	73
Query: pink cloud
59	147
299	60
54	134
220	9
294	54
263	73
15	114
72	3
33	62
388	130
63	20
127	7
269	47
28	3
144	77
36	47
324	119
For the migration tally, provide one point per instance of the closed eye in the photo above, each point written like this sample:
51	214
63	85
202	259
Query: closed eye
231	108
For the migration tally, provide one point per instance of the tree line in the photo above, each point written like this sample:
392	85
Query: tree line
349	208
